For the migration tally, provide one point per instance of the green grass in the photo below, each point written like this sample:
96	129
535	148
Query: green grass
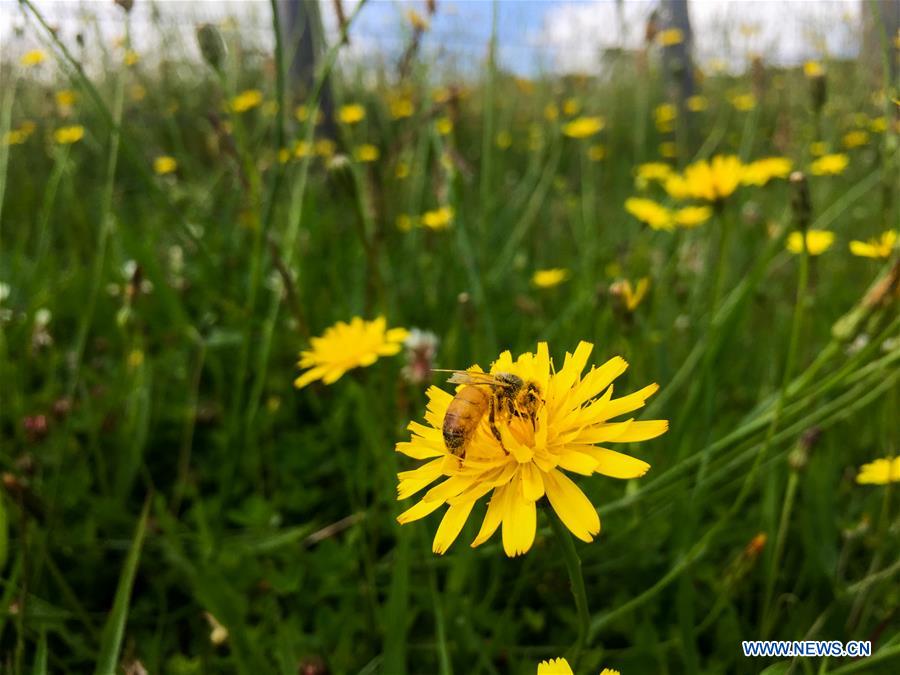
181	473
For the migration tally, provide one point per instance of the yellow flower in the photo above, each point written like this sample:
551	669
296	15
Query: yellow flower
677	187
402	170
572	416
813	69
743	102
441	95
33	58
668	149
763	170
571	106
20	135
68	135
875	248
444	125
648	211
302	149
878	125
550	277
366	153
352	113
692	216
135	359
631	296
658	171
551	112
854	139
345	346
401	108
504	140
246	100
131	57
664	114
829	165
714	180
284	155
417	21
697	103
880	472
597	152
817	241
438	219
818	148
164	164
583	127
301	112
65	98
670	37
324	147
404	222
561	667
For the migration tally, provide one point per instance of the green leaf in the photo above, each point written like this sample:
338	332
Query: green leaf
779	668
4	534
40	656
114	630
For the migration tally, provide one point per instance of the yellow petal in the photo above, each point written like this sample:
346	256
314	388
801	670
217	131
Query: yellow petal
555	667
449	488
572	506
450	526
419	450
616	465
493	517
879	472
420	510
532	482
577	462
620	406
519	523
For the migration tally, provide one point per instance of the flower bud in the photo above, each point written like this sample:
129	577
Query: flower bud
801	202
212	45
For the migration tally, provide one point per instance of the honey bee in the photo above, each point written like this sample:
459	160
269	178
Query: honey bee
500	395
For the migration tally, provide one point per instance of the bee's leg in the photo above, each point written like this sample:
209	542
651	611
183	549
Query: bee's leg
492	422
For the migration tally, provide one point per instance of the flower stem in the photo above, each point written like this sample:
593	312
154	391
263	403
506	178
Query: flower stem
576	580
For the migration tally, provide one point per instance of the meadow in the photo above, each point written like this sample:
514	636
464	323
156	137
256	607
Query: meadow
222	306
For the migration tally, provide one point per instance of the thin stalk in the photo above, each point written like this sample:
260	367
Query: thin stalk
576	580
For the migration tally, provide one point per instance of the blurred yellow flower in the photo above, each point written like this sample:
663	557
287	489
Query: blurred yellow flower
438	219
504	140
324	147
829	165
137	92
416	20
813	69
880	472
597	152
302	112
818	148
669	37
551	112
854	139
443	125
164	164
630	296
697	103
352	113
583	127
668	149
19	135
404	222
345	346
401	108
878	125
571	106
65	98
441	95
692	216
131	57
714	180
366	153
763	170
550	277
246	100
69	135
284	155
402	170
743	102
33	58
817	241
875	248
664	116
658	171
677	187
135	359
302	149
648	211
571	416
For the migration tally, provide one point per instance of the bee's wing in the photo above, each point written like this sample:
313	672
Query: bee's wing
469	377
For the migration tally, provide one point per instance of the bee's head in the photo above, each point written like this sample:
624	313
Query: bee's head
512	383
528	398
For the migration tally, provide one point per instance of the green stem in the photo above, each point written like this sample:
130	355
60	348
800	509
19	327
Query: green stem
576	579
